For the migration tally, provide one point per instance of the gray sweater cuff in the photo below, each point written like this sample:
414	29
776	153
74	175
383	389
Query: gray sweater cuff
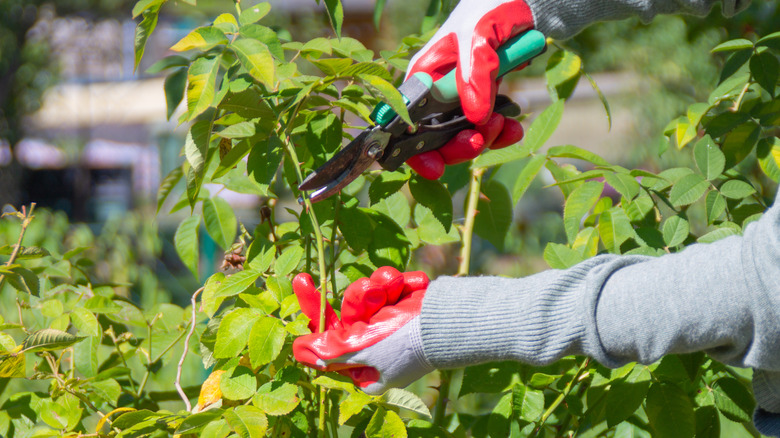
562	20
536	319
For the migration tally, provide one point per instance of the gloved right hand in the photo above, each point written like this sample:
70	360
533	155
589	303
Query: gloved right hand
468	40
377	341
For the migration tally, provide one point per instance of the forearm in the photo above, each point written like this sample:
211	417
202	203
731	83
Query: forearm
723	298
563	19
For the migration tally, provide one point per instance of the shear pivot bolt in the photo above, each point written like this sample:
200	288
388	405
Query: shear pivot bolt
373	151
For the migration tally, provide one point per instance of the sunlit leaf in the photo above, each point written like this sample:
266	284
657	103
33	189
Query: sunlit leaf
186	242
234	332
202	38
256	59
201	85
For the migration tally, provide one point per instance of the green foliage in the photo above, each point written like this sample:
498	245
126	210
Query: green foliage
261	114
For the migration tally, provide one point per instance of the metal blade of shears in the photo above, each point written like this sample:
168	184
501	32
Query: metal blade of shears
346	165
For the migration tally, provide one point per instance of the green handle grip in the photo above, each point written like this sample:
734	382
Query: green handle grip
518	50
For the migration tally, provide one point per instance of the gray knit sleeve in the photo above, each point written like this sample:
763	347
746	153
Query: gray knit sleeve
563	19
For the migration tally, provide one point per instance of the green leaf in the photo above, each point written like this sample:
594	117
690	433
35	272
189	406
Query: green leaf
718	234
54	414
404	399
202	38
24	280
221	223
253	14
268	37
389	245
209	302
238	130
732	45
247	421
387	184
739	143
331	383
707	422
277	398
288	260
266	340
500	156
526	176
433	195
765	69
688	190
579	203
234	332
543	126
498	424
489	378
560	256
255	57
675	230
614	228
49	340
186	243
669	411
625	396
248	104
143	30
389	94
709	158
238	383
733	400
385	424
430	230
143	5
715	205
237	283
335	14
367	68
494	215
527	403
108	390
264	160
563	73
167	185
352	405
197	422
85	355
85	321
352	223
736	189
168	62
569	151
624	183
201	85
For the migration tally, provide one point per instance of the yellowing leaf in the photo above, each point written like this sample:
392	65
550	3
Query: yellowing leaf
202	38
209	390
201	85
256	59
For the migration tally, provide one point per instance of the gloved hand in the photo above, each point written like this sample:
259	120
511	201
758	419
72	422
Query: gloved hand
468	40
377	342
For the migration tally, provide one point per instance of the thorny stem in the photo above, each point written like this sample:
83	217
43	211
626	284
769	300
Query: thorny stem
323	273
184	353
440	410
27	218
468	226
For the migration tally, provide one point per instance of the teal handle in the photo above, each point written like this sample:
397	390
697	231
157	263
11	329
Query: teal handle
518	50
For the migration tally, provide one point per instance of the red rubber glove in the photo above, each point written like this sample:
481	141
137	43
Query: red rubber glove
377	341
468	41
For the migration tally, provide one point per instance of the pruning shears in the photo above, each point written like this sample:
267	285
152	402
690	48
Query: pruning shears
435	110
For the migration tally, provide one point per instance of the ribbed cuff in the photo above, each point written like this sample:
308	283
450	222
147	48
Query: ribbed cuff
536	319
766	389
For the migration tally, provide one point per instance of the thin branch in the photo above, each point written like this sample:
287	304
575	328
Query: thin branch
27	217
184	353
471	213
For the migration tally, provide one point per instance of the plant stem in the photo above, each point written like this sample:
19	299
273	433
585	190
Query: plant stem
184	353
323	273
27	218
440	410
468	226
124	361
574	380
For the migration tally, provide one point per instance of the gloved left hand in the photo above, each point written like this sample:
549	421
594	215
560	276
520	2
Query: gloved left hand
377	341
